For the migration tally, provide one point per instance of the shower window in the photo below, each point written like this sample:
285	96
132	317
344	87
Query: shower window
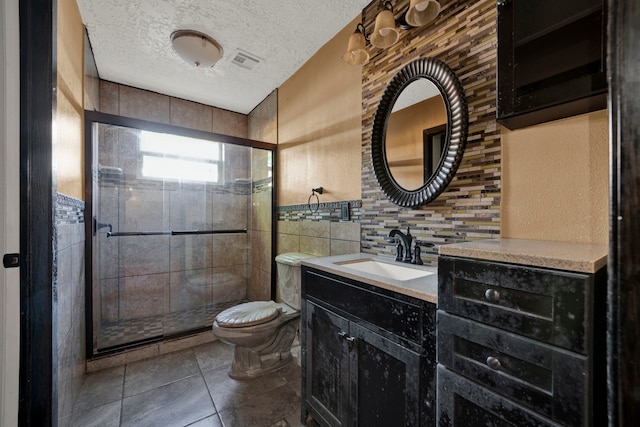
180	225
175	157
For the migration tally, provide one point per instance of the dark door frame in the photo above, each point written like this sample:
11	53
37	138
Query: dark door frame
623	317
38	350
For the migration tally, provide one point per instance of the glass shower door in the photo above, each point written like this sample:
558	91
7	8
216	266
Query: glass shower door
172	220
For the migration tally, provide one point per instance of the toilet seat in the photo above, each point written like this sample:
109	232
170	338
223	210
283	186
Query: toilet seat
248	314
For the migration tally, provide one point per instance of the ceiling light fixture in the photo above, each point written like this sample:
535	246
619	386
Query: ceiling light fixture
196	48
386	30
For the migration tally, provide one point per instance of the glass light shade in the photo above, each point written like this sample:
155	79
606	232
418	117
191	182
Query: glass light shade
196	48
421	12
385	33
356	50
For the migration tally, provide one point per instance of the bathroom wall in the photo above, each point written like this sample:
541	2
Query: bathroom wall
68	153
69	238
568	204
319	120
556	180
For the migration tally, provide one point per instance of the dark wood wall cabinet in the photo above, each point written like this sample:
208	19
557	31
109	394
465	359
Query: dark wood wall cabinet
519	345
551	60
368	354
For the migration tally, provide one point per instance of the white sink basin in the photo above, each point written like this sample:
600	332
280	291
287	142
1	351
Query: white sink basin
390	271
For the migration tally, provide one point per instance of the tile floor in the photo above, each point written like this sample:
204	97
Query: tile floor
189	388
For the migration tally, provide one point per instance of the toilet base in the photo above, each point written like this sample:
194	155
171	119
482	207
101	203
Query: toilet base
249	363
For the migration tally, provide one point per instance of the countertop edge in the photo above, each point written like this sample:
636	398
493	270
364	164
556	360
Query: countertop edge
577	257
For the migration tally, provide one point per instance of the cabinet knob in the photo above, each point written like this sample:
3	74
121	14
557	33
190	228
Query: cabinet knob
492	295
493	363
342	334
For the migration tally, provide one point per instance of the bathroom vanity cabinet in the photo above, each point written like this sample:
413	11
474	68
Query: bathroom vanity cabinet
519	345
368	354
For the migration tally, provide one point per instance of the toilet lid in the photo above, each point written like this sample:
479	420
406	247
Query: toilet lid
248	314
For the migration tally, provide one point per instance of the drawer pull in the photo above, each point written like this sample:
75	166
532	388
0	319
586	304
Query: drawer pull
493	363
492	295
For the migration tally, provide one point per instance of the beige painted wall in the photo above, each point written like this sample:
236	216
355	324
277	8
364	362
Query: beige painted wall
319	127
555	180
68	150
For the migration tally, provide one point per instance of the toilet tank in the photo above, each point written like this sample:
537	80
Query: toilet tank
288	265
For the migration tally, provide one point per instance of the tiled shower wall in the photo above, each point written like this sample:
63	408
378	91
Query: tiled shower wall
464	37
69	293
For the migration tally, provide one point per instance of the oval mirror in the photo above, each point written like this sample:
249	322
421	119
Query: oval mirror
419	132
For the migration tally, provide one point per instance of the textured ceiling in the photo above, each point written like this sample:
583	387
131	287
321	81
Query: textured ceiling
131	45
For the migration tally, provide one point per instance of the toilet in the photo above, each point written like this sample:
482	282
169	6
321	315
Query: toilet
262	331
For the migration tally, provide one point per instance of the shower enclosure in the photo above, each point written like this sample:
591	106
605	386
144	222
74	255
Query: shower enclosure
180	224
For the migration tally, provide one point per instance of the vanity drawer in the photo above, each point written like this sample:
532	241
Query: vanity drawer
401	317
551	381
464	403
547	305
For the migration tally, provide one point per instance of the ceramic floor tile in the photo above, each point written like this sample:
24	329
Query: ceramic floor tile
177	404
100	388
264	410
102	416
227	392
151	373
213	355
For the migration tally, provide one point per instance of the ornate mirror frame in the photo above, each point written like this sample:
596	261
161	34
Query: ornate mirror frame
455	102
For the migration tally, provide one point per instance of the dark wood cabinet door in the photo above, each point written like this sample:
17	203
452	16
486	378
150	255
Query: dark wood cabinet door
385	378
327	366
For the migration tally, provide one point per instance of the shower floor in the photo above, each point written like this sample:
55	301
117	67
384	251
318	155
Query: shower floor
129	332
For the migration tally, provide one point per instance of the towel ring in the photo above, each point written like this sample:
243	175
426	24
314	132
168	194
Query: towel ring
314	192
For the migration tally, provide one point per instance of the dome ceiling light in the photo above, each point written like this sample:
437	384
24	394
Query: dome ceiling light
197	49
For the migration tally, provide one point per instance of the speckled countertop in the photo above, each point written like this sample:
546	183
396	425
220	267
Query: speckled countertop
580	257
424	288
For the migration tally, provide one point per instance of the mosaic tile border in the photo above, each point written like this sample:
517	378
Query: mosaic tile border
327	211
68	210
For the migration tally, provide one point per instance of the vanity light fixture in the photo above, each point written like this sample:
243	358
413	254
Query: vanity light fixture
385	33
386	30
357	49
196	48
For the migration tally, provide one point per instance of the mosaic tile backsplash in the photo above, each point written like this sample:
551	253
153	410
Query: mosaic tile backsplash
464	37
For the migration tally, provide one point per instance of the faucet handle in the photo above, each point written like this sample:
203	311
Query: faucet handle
399	251
416	259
